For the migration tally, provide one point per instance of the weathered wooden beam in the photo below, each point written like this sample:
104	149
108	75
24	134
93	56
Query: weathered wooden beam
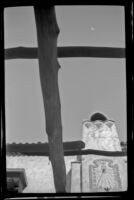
41	147
65	52
94	152
47	33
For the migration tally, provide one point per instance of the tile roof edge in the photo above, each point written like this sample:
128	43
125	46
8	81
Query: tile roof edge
35	143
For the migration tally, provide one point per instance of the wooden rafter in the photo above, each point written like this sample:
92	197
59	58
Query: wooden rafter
64	52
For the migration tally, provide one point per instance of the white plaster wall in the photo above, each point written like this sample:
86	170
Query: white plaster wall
38	171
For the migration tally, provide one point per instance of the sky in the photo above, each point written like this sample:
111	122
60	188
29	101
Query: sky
86	85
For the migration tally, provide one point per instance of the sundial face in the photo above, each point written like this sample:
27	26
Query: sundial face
104	176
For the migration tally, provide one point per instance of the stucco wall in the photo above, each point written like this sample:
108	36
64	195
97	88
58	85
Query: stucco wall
38	171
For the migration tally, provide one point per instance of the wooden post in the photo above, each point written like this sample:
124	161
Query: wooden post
47	33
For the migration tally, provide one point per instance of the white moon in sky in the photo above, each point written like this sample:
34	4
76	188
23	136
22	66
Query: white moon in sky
92	28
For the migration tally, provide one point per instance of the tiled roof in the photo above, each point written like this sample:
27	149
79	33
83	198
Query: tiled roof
67	145
40	148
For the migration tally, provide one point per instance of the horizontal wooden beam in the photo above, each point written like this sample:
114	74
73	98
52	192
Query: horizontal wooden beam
65	52
42	147
95	152
73	152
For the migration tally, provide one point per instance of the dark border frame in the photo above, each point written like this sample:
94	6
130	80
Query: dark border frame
129	79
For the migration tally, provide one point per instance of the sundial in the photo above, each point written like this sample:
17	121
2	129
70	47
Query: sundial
104	176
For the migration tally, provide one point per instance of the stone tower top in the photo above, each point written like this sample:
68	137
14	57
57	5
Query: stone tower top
99	133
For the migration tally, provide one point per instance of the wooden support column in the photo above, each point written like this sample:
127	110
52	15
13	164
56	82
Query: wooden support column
47	33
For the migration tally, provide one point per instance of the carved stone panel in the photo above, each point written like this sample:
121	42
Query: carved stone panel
104	176
104	173
100	135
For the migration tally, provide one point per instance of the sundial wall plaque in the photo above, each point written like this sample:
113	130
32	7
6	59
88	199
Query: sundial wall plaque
104	176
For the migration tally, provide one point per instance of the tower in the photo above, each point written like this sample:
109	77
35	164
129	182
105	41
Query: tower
100	133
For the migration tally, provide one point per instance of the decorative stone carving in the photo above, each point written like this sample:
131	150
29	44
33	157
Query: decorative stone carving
104	174
100	135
